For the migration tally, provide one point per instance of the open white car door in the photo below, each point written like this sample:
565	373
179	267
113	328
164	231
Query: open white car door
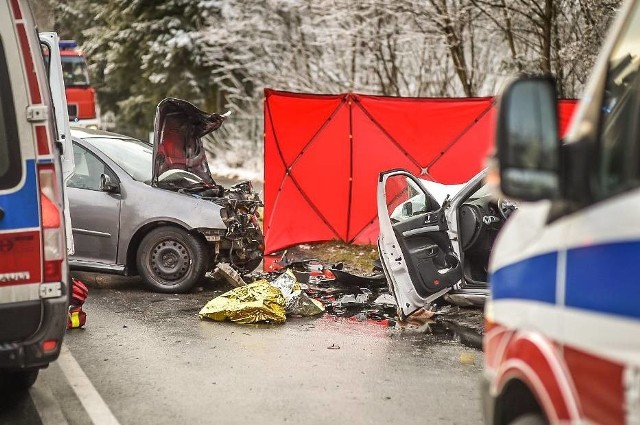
416	252
51	51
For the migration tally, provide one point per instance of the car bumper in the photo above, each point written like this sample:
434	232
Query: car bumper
29	353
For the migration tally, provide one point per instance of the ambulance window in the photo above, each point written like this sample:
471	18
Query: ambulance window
87	170
619	162
10	161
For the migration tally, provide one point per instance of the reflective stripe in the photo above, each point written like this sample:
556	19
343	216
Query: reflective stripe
18	293
32	77
604	278
75	319
599	278
532	279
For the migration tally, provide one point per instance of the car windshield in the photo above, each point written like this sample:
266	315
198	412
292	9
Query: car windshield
481	192
133	156
74	69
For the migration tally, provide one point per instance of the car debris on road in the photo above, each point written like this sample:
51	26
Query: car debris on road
263	301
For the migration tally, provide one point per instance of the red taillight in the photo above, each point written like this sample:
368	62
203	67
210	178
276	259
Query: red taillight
52	230
50	213
49	345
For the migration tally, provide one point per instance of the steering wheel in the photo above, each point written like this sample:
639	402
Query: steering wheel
506	207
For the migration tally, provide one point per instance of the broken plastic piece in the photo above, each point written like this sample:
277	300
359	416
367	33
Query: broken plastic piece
229	274
297	302
386	300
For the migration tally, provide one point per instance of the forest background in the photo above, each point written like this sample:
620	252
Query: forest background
221	54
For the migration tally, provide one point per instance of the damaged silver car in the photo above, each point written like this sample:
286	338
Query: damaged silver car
435	240
155	210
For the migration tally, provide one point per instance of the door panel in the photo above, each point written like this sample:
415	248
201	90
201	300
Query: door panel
414	244
427	249
95	214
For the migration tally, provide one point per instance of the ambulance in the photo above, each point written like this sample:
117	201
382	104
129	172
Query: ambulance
562	340
34	293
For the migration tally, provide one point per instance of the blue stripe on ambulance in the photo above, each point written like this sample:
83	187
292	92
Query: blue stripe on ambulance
533	279
604	278
21	207
601	278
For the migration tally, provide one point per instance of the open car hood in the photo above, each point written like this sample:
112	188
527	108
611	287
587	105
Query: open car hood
178	129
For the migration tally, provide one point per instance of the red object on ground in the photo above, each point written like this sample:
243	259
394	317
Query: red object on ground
77	318
323	155
79	292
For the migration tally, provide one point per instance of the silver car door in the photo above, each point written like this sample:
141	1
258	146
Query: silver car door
414	245
95	214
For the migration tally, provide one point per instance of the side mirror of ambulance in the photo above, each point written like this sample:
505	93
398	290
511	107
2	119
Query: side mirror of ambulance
528	146
106	185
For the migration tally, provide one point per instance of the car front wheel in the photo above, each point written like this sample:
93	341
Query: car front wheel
171	260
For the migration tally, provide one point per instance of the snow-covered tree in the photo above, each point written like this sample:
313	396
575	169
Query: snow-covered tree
140	52
221	54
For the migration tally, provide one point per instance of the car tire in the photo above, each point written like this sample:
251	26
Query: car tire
170	260
529	419
17	381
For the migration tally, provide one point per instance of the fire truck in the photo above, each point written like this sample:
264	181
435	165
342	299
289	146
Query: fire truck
81	97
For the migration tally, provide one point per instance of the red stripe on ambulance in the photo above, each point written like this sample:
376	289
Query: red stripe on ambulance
34	87
17	13
42	140
599	385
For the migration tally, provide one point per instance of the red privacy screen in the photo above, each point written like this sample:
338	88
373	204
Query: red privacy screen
323	155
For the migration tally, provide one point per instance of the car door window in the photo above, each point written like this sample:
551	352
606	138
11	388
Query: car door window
618	160
405	199
88	169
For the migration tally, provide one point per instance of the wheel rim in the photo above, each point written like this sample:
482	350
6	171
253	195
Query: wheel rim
170	260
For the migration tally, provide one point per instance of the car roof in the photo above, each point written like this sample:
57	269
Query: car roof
87	133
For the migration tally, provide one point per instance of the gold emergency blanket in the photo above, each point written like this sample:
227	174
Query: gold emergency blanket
256	302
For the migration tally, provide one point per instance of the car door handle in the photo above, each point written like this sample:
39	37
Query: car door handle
1	213
419	231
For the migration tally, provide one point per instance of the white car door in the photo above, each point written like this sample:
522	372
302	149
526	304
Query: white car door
414	244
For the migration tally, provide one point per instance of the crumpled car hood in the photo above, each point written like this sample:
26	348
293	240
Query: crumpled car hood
178	129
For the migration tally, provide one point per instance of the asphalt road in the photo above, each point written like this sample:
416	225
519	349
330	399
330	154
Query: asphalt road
147	358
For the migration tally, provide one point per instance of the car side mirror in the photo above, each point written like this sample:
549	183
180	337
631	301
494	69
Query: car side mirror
106	185
527	140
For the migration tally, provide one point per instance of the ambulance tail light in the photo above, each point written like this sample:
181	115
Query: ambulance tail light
52	230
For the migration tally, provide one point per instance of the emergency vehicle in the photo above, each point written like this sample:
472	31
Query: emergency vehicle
562	340
81	97
34	294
